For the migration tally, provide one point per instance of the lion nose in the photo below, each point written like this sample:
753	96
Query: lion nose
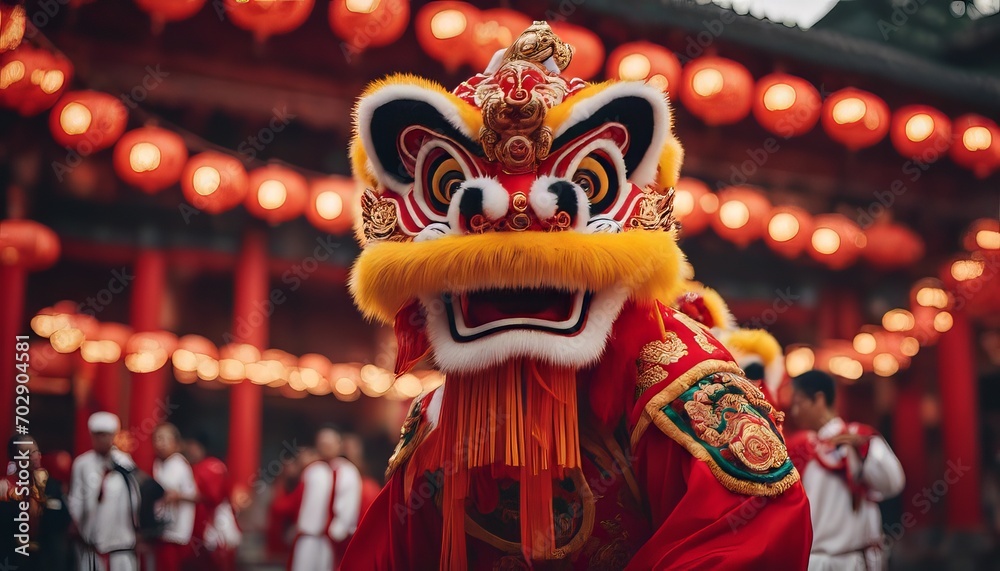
559	204
477	205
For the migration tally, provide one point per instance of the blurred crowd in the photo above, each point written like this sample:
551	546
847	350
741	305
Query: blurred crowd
100	512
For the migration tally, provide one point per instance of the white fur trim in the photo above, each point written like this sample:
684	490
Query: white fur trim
578	351
368	105
544	203
496	200
433	231
645	172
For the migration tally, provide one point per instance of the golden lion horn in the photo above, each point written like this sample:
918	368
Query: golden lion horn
539	43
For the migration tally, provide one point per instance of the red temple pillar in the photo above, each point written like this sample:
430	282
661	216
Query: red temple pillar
147	404
250	325
960	425
909	440
12	278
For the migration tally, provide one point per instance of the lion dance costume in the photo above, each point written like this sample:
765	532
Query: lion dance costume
518	232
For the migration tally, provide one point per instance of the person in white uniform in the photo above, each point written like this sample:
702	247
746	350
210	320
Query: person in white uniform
104	501
846	469
330	488
172	471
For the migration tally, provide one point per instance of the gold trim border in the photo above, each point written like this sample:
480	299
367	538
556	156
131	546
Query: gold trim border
652	414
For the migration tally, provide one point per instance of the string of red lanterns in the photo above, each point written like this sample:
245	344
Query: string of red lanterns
967	283
743	215
195	359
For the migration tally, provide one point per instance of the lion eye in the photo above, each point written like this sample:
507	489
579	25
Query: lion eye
445	177
595	175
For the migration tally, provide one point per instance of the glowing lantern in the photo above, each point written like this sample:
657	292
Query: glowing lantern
149	351
106	344
87	121
191	352
718	91
898	320
150	159
836	241
267	18
12	25
31	80
331	204
786	105
645	61
48	362
921	133
983	234
855	118
798	360
742	215
27	244
162	11
277	194
972	278
976	144
214	182
789	230
496	30
588	50
689	208
890	246
368	23
445	31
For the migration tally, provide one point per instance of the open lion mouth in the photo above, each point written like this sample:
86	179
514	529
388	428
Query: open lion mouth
476	314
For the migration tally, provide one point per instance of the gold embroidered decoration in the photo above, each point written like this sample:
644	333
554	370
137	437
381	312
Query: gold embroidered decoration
378	218
653	357
539	43
656	211
699	331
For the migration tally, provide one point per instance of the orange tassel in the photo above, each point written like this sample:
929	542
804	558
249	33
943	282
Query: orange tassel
520	415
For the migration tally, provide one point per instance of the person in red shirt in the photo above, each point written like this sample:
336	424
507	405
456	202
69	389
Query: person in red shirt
214	528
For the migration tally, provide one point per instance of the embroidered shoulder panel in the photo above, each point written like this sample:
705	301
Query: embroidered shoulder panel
724	420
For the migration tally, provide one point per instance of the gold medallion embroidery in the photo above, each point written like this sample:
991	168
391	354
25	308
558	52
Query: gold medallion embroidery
656	355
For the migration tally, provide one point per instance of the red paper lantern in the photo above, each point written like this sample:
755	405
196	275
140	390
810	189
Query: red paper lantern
277	194
742	215
786	105
170	10
150	159
983	234
890	246
496	30
87	121
31	80
789	230
836	241
689	194
588	50
330	204
214	182
920	133
445	30
976	144
855	118
645	61
47	362
28	244
12	24
368	23
267	18
148	351
717	90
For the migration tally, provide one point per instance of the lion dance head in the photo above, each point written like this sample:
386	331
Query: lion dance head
504	226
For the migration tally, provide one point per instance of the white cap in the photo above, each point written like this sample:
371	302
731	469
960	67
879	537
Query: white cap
103	422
